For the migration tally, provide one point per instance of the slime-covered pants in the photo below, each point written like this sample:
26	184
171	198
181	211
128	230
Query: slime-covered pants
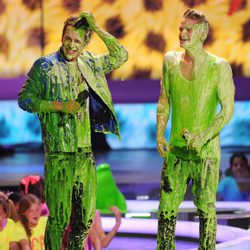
70	190
176	173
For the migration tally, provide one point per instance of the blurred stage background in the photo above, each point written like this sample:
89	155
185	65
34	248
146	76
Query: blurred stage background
148	29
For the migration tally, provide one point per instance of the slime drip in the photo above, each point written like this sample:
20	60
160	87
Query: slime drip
193	83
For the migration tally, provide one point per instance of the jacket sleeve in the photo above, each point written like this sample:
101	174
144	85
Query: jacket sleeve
31	97
116	57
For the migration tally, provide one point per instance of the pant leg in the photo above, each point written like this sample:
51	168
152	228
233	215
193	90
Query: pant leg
175	174
83	202
59	172
204	188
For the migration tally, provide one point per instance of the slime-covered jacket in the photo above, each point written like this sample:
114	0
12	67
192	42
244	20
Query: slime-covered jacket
49	80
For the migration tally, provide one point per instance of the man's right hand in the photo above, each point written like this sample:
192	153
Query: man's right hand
69	107
162	146
89	18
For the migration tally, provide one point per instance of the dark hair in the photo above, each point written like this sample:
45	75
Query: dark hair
78	23
15	197
238	155
25	203
33	184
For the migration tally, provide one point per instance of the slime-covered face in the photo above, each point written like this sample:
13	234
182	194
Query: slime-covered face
190	33
73	43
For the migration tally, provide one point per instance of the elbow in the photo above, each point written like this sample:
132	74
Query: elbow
105	243
25	104
125	56
230	112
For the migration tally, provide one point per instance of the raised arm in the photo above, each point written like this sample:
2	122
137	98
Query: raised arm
117	55
107	238
163	110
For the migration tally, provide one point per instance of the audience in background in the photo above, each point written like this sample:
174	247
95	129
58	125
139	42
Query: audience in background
235	185
11	211
30	229
34	184
97	238
97	235
6	225
15	197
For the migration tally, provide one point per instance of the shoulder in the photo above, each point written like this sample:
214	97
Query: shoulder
88	57
18	225
87	54
218	61
229	180
43	221
10	222
172	57
19	232
45	62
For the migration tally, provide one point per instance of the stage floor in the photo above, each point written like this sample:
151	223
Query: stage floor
137	174
135	167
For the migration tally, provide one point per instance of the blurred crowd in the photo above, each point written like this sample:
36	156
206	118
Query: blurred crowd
23	217
23	214
234	184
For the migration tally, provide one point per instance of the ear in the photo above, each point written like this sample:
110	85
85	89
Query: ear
203	36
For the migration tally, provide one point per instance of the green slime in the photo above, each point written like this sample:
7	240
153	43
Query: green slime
70	175
108	194
193	152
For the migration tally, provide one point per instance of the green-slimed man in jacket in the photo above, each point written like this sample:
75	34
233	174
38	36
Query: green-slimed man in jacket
69	92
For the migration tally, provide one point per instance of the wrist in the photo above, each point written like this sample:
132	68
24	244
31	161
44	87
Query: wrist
160	138
57	106
94	27
48	106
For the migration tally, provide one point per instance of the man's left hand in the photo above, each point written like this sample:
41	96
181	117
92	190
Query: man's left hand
195	141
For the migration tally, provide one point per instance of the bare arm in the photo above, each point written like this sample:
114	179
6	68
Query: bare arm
107	238
225	93
24	244
14	246
95	239
163	110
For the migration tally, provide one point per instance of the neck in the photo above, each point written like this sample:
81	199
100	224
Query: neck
195	53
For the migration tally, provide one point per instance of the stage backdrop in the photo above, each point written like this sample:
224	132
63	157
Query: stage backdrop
137	123
147	28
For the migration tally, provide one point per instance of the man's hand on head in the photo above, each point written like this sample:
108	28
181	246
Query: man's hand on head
89	18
